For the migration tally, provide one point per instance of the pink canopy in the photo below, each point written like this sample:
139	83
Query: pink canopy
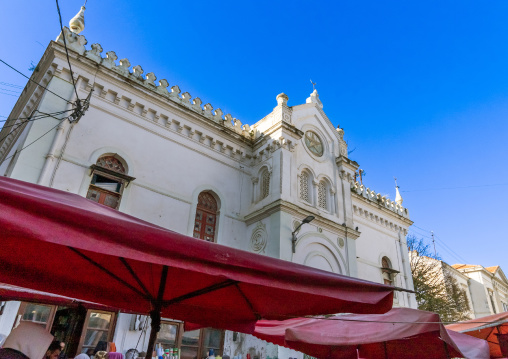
493	328
400	333
61	243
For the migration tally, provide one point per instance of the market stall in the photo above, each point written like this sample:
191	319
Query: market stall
400	333
493	329
61	243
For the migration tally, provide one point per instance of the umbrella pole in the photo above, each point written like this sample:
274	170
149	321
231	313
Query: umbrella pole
386	350
446	350
155	314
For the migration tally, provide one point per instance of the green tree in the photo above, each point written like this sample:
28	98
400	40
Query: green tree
437	289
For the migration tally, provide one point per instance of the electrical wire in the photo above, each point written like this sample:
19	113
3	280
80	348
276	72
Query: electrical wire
11	85
8	94
2	89
25	118
459	187
24	122
39	117
45	88
38	138
67	51
441	243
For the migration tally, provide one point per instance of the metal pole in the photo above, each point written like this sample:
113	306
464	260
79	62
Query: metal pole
155	314
446	350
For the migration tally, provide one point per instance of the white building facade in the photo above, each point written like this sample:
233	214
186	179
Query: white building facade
151	151
488	288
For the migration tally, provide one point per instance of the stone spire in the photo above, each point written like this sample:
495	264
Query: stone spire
398	197
77	23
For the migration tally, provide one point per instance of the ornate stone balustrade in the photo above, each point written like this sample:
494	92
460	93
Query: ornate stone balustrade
381	200
77	43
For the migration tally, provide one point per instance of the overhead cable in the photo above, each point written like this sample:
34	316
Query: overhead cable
67	51
38	138
22	74
35	118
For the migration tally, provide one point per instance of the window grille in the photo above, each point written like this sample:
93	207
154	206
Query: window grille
304	187
322	200
265	184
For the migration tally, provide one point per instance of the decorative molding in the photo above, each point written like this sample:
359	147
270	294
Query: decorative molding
259	238
298	211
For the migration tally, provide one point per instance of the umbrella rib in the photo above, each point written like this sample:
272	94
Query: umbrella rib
256	314
108	272
229	282
134	275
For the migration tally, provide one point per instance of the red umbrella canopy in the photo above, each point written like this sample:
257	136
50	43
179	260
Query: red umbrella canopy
61	243
400	333
11	292
493	328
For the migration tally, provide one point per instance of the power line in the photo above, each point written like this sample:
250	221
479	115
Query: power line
67	51
22	74
2	89
18	125
443	245
39	117
38	138
458	187
8	94
11	85
25	118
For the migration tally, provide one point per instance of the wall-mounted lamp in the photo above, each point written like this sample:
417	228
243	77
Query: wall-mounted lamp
293	235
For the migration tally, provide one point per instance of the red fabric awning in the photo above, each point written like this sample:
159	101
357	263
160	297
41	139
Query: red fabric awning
486	328
58	242
10	292
400	333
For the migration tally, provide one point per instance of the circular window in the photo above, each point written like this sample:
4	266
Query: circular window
314	143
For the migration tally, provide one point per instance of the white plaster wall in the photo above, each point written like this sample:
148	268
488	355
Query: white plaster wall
375	242
177	155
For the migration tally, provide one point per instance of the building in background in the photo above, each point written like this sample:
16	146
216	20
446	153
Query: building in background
488	288
149	150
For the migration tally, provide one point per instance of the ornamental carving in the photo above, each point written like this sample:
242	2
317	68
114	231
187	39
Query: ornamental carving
259	238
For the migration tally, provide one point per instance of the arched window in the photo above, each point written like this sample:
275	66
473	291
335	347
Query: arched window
265	183
304	186
109	178
386	268
206	217
323	195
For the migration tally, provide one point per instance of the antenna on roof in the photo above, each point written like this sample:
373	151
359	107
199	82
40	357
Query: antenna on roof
85	3
313	85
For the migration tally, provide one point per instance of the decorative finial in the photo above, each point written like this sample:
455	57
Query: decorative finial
398	197
313	85
282	99
77	23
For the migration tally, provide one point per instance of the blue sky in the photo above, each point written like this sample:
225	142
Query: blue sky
421	88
